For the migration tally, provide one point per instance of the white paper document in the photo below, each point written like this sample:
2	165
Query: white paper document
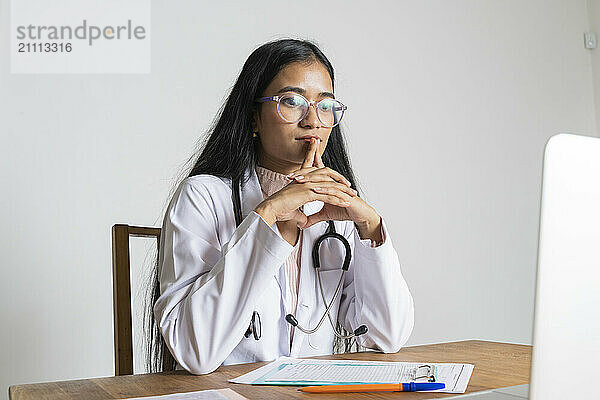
302	372
213	394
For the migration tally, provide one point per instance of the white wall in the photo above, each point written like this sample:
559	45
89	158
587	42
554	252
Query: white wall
593	7
469	92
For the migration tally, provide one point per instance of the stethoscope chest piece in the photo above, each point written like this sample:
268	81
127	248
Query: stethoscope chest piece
255	327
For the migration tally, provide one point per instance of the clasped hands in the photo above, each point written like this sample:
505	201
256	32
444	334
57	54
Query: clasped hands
315	181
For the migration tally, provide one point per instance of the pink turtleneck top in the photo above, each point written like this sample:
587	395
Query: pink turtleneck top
271	182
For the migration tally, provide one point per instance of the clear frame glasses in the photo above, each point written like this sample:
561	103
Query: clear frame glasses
293	107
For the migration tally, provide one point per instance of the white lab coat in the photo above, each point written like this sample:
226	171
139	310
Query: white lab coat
214	275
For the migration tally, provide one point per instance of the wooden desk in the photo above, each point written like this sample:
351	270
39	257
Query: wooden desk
496	365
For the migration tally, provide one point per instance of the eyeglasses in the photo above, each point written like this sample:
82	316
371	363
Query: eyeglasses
293	107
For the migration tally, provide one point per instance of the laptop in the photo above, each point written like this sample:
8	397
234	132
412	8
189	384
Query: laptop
566	332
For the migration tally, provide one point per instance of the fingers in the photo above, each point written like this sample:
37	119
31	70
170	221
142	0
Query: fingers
300	218
332	199
314	218
327	186
314	170
319	175
300	173
310	155
333	193
318	160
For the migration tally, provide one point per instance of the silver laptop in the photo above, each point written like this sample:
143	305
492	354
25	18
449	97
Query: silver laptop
566	333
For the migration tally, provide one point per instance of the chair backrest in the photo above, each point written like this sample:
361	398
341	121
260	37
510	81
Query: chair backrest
122	292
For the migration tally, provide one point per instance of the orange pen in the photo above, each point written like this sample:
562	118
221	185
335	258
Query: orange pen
374	387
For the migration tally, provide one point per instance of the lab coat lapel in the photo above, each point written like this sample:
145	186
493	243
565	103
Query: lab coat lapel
252	196
306	292
307	272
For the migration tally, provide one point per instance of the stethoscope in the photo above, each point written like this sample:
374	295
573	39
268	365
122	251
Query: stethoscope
255	328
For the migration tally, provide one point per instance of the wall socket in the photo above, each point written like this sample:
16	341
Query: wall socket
590	40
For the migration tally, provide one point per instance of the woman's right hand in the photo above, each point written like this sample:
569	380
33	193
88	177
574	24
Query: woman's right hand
285	204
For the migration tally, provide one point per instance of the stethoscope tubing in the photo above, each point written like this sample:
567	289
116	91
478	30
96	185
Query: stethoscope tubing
326	313
330	233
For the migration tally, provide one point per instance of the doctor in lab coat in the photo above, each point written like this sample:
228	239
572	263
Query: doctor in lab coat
214	275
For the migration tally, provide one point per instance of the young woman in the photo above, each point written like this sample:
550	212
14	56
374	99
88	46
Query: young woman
236	267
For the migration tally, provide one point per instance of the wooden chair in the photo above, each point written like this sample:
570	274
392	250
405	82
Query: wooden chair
122	292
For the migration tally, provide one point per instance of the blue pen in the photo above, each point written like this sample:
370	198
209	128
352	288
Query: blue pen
375	387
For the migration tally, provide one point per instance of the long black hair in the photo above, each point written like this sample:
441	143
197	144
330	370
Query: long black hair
231	148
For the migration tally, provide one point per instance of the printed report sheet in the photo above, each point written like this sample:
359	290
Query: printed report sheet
302	372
